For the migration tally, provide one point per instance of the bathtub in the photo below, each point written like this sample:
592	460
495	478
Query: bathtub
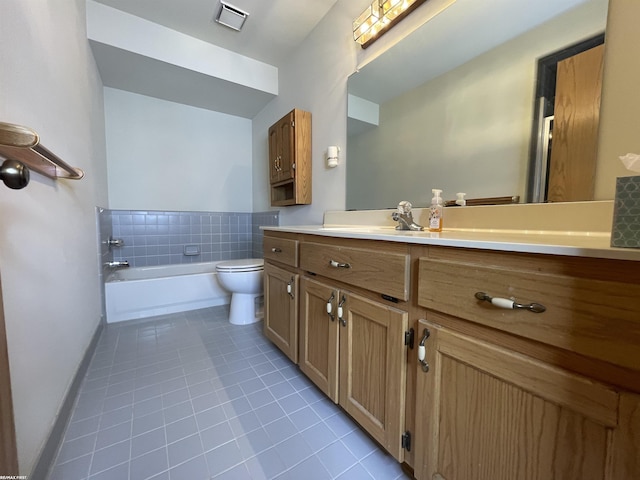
141	292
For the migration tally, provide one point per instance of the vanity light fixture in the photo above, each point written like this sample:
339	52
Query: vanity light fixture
379	17
231	16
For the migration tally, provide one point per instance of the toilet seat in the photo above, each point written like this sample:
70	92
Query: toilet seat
244	265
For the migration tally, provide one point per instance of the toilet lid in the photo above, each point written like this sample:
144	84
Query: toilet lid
244	265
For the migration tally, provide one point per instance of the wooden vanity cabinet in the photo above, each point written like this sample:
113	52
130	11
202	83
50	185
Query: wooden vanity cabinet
281	294
281	289
290	159
353	349
488	412
515	394
352	346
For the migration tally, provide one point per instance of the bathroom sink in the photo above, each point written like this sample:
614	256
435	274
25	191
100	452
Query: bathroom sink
357	228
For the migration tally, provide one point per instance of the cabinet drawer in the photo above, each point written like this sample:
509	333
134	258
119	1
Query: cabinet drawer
592	306
281	250
377	271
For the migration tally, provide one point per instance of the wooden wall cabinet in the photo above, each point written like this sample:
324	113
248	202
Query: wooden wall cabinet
290	159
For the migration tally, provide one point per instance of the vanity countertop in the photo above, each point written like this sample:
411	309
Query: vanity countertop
578	244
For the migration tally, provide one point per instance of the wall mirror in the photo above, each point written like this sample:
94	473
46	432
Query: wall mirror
452	105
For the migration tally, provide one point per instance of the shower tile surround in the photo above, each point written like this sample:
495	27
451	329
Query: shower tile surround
159	237
190	396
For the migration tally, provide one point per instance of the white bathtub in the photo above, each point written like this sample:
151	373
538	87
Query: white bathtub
141	292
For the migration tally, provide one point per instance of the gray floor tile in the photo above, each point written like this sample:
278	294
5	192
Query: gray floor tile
194	469
149	464
77	448
76	469
189	396
253	443
304	418
266	465
181	429
215	436
185	449
309	469
224	457
148	442
120	472
293	450
111	456
319	436
336	458
280	429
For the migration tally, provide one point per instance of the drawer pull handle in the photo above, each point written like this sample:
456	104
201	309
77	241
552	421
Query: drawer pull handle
510	304
335	264
343	322
276	250
422	351
330	307
290	287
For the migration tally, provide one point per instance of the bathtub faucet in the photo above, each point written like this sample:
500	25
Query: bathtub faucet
114	265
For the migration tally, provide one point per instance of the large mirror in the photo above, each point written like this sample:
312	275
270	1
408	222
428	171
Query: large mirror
452	105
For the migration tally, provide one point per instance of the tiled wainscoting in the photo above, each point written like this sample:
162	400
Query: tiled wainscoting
190	396
159	237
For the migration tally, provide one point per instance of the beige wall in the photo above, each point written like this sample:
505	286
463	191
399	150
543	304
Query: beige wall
620	108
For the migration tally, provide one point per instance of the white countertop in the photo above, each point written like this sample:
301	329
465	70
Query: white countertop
578	244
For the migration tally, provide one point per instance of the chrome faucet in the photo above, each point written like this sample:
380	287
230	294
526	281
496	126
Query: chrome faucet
115	242
119	264
404	217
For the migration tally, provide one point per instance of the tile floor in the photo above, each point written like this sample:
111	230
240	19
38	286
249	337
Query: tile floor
189	396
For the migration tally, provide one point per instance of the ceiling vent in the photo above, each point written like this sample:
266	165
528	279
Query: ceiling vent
231	16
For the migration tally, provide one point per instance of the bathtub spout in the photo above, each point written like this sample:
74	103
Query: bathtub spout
114	265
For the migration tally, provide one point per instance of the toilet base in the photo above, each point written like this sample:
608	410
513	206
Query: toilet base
242	310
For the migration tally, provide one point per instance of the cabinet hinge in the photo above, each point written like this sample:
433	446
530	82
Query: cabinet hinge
408	338
406	441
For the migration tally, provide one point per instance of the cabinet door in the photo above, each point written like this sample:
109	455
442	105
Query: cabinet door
282	149
281	309
319	336
274	153
487	413
287	151
373	368
572	171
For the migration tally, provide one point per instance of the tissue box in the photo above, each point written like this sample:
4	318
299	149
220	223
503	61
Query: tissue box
626	213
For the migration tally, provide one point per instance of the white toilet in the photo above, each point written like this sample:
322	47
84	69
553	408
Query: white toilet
243	278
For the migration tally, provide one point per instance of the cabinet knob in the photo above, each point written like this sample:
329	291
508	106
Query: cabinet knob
276	250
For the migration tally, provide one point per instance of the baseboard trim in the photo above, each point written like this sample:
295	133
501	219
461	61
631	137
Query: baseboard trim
50	449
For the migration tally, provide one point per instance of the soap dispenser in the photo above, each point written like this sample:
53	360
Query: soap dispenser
460	201
435	211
